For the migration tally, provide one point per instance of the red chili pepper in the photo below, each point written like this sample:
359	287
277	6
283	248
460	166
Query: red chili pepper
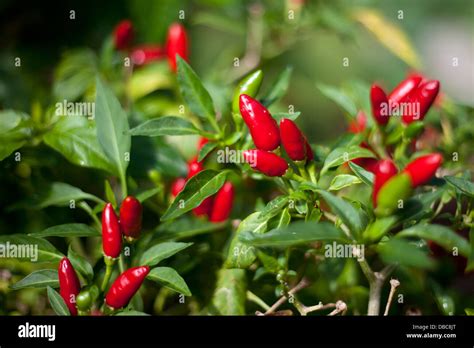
293	140
266	162
145	54
424	96
358	125
202	141
176	44
125	286
111	234
123	35
422	169
69	285
223	201
177	186
309	151
368	164
262	126
384	170
131	217
379	102
404	89
194	167
204	208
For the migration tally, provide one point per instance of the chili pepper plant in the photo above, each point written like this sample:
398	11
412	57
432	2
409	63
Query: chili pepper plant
256	219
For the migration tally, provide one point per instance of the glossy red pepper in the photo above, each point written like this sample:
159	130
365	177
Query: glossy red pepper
202	141
424	96
379	102
359	124
266	162
262	126
293	140
69	285
194	167
176	44
131	217
177	186
223	202
125	286
123	35
384	170
145	54
111	234
404	89
422	169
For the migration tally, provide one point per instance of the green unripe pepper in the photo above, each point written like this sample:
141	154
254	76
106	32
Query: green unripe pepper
414	129
249	85
84	300
395	189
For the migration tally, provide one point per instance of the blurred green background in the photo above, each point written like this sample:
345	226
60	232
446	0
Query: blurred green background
315	44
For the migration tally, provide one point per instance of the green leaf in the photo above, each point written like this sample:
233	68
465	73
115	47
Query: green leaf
364	175
57	302
462	186
169	278
150	78
68	230
74	76
470	259
341	155
198	188
185	227
273	207
38	279
339	97
196	96
131	313
27	248
80	264
144	195
343	180
159	252
109	193
57	194
9	119
399	251
280	115
269	262
240	255
299	232
279	87
441	235
15	131
112	128
345	211
167	125
206	149
469	311
230	293
379	228
75	138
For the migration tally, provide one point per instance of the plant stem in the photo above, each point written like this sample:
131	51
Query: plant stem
108	273
376	282
394	284
84	206
255	299
121	264
123	185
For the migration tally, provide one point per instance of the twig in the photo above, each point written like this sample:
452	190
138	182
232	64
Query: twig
255	299
376	281
339	306
394	284
301	285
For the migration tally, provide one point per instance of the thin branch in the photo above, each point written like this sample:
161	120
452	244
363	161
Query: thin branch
301	285
394	284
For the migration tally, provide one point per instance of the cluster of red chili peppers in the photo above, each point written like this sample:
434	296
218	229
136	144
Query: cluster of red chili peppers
216	208
126	284
267	137
176	44
390	186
